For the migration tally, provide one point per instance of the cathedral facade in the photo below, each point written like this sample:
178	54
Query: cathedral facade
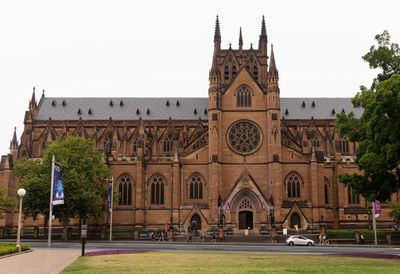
242	158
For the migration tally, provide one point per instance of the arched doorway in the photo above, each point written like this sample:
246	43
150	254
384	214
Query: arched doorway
245	220
295	220
195	222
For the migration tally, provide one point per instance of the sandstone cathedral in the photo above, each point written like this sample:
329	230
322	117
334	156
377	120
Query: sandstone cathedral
241	158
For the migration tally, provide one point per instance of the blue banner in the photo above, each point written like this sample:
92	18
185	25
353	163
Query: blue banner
58	187
110	189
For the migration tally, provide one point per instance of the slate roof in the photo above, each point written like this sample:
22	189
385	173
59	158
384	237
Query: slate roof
177	108
149	108
317	108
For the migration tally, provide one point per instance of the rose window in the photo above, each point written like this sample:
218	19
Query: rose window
244	137
245	204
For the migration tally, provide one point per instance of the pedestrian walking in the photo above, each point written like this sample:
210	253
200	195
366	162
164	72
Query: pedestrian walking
162	237
214	238
326	241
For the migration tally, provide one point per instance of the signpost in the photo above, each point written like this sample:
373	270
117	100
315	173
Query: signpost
376	211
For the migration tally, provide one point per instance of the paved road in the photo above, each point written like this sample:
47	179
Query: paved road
218	247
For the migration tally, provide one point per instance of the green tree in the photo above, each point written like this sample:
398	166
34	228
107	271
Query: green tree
377	131
385	56
5	203
84	176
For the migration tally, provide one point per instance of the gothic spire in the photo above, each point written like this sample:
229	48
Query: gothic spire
217	48
217	34
262	43
240	39
272	65
32	102
14	142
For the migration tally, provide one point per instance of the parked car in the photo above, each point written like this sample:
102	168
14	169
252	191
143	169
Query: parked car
299	240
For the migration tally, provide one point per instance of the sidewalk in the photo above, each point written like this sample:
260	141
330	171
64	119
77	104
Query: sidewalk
39	261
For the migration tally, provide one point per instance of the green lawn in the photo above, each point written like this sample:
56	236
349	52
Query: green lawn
193	262
7	248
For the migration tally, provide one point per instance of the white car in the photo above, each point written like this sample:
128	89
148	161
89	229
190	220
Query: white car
299	240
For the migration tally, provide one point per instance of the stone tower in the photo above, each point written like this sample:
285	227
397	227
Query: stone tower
244	137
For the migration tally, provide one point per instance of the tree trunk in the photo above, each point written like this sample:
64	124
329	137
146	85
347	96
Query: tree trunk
65	221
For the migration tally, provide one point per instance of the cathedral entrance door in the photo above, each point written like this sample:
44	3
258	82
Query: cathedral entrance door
245	219
195	222
295	220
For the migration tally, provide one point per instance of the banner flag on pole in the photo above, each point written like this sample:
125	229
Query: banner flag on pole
377	208
110	189
58	190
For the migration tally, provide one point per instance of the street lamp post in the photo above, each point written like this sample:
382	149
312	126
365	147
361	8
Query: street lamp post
21	193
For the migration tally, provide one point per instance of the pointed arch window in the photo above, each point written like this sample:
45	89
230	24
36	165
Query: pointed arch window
326	193
131	148
226	73
243	96
255	72
293	184
352	197
326	190
233	71
157	189
315	142
168	144
108	144
125	182
343	145
196	183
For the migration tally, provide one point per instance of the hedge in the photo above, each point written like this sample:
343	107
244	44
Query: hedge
368	234
7	248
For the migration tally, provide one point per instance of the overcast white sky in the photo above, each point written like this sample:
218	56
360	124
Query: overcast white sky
164	48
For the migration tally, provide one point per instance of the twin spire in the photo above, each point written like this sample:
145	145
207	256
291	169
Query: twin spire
217	34
215	72
262	43
263	35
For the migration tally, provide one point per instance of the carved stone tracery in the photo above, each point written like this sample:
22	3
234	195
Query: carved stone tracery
244	137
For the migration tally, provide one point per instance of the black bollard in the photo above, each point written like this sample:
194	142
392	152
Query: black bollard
83	246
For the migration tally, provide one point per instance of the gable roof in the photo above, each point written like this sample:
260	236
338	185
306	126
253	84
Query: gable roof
103	109
186	109
323	108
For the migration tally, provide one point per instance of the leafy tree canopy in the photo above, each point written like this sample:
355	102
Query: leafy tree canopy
395	213
5	203
378	130
83	174
385	56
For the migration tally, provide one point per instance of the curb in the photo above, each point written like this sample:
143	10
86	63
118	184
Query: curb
15	254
